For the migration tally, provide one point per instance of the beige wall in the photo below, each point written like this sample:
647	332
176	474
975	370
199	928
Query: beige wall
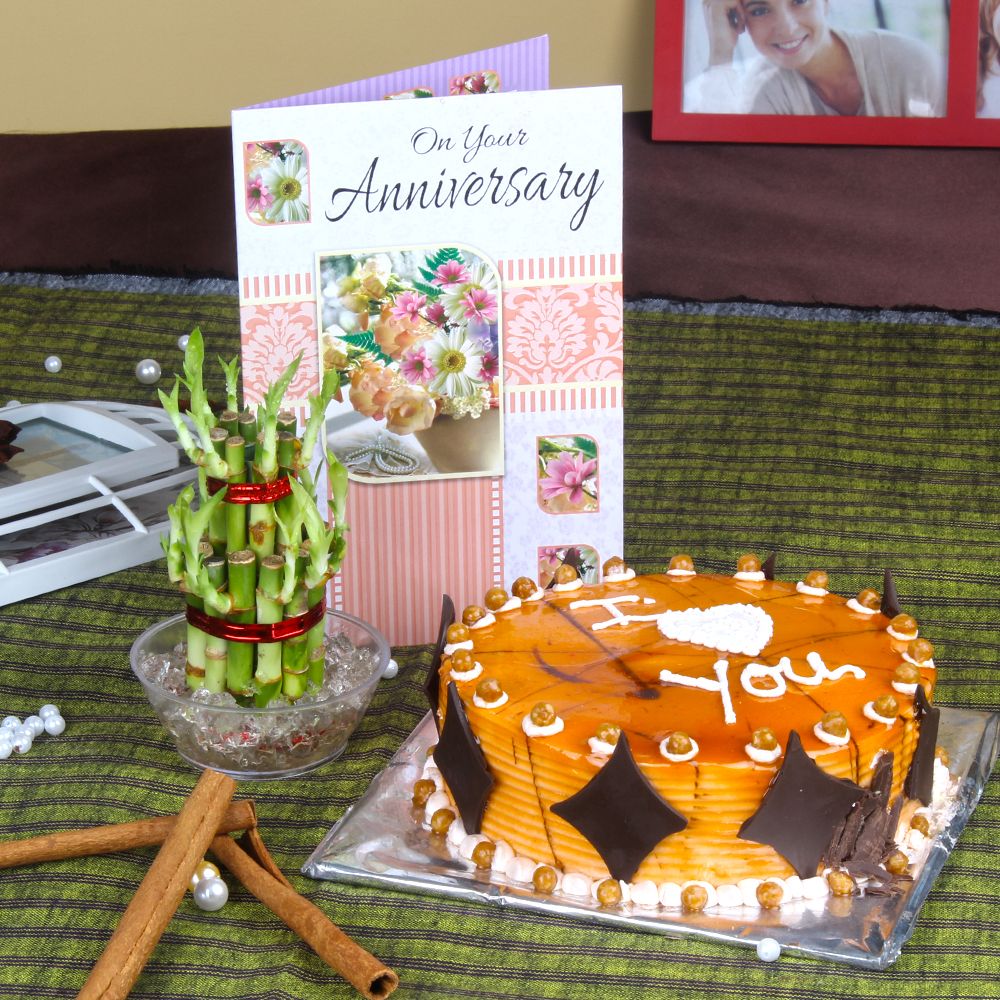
80	65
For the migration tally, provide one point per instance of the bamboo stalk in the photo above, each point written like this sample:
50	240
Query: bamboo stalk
270	611
236	513
230	420
194	669
161	891
242	588
216	649
316	640
248	428
294	651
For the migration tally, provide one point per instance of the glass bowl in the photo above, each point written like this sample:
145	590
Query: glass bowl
278	741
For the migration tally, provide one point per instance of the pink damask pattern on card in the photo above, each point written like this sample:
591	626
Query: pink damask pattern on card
273	334
563	333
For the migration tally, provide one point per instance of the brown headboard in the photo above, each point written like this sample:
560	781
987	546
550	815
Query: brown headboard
854	226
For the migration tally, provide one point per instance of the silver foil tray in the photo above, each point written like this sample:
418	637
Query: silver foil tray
378	842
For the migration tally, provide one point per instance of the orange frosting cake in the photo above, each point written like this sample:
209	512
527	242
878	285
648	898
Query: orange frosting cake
685	739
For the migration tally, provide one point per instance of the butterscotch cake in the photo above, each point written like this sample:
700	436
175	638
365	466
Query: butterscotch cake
683	735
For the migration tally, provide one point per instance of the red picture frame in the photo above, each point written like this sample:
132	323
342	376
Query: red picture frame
958	126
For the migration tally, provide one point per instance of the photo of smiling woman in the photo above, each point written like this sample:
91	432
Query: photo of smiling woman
876	58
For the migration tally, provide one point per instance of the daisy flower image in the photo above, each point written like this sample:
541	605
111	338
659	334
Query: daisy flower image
288	181
458	362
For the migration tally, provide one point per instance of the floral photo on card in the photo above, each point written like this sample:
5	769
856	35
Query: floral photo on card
583	558
276	177
486	81
415	335
567	472
409	94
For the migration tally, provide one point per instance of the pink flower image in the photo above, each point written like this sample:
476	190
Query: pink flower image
416	368
566	474
259	198
408	305
490	365
480	305
450	273
435	314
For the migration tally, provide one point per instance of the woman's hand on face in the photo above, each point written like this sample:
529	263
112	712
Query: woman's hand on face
725	24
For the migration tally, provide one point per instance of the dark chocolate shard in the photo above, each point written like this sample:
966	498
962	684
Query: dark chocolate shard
859	843
769	564
892	822
620	812
462	764
801	810
432	686
920	778
890	599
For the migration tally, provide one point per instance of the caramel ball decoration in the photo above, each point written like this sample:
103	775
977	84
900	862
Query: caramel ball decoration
458	632
748	563
496	598
566	574
523	588
472	614
870	599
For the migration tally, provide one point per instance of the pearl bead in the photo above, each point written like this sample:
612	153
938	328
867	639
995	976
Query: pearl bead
204	870
55	725
6	738
182	341
391	669
147	371
53	364
11	722
46	710
211	894
22	741
35	724
768	950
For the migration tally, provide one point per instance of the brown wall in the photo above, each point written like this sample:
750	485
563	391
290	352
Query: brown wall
136	64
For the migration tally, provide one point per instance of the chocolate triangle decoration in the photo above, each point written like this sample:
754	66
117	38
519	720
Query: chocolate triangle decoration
769	564
462	763
620	813
432	686
919	782
801	810
890	599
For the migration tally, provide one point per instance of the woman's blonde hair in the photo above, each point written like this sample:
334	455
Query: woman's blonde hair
989	45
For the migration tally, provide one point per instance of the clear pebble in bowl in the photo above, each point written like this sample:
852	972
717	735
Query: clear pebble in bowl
282	740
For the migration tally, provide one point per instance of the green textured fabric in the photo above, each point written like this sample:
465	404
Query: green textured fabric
848	444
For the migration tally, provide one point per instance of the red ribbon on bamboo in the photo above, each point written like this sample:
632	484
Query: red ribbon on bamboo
245	493
288	628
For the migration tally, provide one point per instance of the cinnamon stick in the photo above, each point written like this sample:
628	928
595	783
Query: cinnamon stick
161	891
362	970
110	839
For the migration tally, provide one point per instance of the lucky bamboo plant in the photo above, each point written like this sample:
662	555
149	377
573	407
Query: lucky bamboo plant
252	563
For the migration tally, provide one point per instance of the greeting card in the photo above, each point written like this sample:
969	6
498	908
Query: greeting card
457	260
